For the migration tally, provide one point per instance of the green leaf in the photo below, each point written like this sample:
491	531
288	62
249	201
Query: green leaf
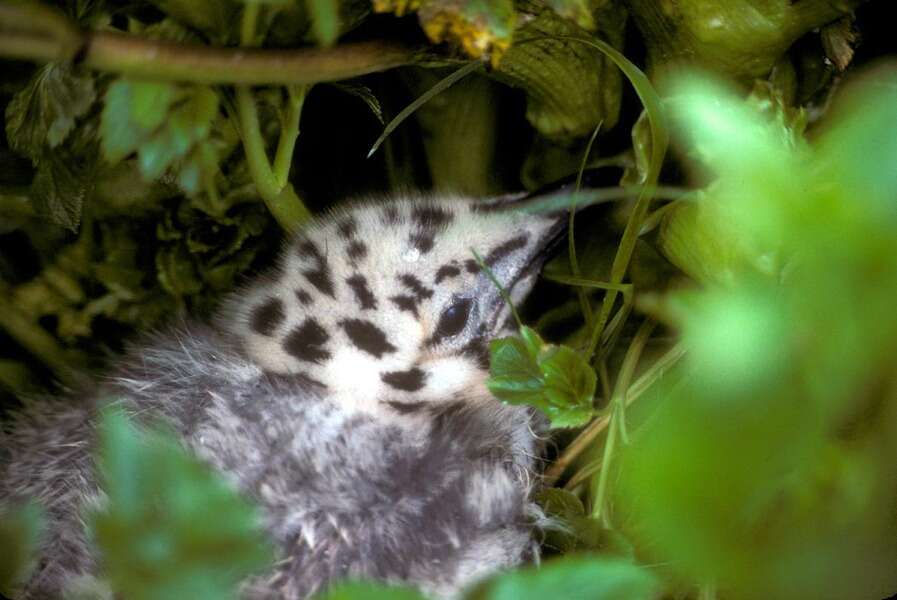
569	386
370	591
19	535
60	187
573	578
177	272
515	375
42	114
170	528
554	379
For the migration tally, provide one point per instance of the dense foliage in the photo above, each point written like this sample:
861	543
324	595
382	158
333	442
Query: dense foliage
715	346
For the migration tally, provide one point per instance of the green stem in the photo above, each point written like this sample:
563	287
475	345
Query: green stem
286	144
281	200
406	112
248	24
598	508
596	427
36	33
627	369
618	416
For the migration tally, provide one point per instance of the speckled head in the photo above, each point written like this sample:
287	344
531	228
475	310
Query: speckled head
384	306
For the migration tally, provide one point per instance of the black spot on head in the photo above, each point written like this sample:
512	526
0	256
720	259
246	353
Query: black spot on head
267	316
407	303
320	278
367	337
347	228
423	240
471	266
303	297
406	408
362	292
414	285
411	380
445	272
431	217
357	250
308	249
319	275
506	248
306	342
391	215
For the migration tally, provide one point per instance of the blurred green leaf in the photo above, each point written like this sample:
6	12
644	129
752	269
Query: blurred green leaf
19	535
370	591
42	114
703	240
573	578
769	470
163	123
554	379
324	20
170	528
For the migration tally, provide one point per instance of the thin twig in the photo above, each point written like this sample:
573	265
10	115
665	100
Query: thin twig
45	35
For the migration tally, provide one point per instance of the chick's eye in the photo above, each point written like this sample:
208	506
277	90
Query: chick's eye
453	318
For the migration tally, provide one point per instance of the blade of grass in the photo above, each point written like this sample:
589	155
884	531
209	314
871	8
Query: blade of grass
617	422
659	142
571	236
654	373
422	99
593	196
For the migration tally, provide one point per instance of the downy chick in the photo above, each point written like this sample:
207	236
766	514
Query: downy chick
344	393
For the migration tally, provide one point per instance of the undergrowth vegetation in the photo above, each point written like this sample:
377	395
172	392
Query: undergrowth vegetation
714	348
